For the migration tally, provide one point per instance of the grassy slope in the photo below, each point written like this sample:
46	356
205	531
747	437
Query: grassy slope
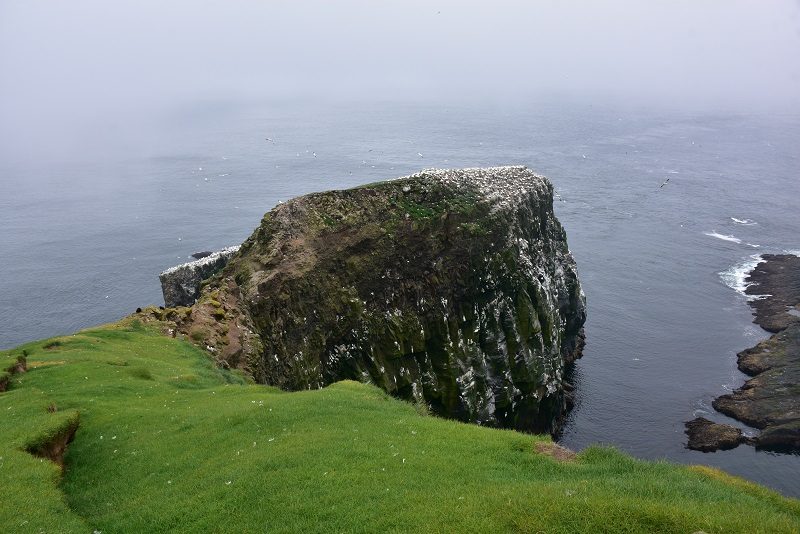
169	443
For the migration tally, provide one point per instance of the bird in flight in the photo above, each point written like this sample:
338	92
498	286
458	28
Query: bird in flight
665	183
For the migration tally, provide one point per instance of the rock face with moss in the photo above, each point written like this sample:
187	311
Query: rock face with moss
181	284
453	288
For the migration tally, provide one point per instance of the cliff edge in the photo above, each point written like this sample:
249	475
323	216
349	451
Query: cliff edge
452	288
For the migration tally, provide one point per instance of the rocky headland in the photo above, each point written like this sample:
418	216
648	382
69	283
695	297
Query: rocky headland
454	289
770	401
181	284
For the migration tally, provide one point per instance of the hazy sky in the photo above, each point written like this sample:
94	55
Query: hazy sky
80	60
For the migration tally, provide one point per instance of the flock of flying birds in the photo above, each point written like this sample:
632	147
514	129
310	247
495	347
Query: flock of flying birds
271	140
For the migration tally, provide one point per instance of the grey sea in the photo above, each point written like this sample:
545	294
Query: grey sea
665	213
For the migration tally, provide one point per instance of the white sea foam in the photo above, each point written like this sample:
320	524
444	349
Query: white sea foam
744	222
736	276
730	238
792	252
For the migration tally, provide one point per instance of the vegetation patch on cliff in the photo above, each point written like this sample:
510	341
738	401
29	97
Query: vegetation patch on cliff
450	287
168	442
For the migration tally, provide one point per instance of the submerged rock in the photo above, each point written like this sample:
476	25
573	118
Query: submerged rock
452	288
181	284
770	401
707	436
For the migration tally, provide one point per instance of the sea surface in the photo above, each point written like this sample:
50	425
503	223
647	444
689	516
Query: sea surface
83	238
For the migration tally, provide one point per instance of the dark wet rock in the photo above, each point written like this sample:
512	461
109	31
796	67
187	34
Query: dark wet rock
708	436
780	437
452	288
772	397
181	284
770	401
201	255
777	275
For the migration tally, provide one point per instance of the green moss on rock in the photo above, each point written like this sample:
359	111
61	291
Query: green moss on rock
454	289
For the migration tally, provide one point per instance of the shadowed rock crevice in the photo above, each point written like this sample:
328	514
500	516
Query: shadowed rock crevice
454	288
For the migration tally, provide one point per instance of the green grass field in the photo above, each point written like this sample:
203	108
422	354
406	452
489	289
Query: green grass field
167	442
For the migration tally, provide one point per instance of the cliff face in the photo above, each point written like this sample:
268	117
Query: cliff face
181	284
454	288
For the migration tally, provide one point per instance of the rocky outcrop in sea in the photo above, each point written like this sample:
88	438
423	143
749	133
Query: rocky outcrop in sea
450	288
708	436
770	400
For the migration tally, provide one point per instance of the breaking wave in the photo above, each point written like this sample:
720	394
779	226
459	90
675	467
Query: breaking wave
735	277
730	238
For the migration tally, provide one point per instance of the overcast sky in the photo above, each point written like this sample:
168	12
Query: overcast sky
75	60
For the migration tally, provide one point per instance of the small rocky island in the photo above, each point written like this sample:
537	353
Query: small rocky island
454	289
770	401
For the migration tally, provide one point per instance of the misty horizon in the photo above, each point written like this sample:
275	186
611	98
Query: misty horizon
72	70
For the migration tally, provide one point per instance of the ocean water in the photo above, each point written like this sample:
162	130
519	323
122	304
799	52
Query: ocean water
84	238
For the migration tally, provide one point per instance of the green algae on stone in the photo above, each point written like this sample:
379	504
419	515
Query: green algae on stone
454	288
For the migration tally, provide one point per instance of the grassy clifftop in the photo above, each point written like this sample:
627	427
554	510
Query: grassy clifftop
167	442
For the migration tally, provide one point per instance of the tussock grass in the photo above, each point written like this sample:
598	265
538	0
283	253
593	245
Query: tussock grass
168	442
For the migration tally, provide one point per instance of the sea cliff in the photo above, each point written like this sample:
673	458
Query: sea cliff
451	288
